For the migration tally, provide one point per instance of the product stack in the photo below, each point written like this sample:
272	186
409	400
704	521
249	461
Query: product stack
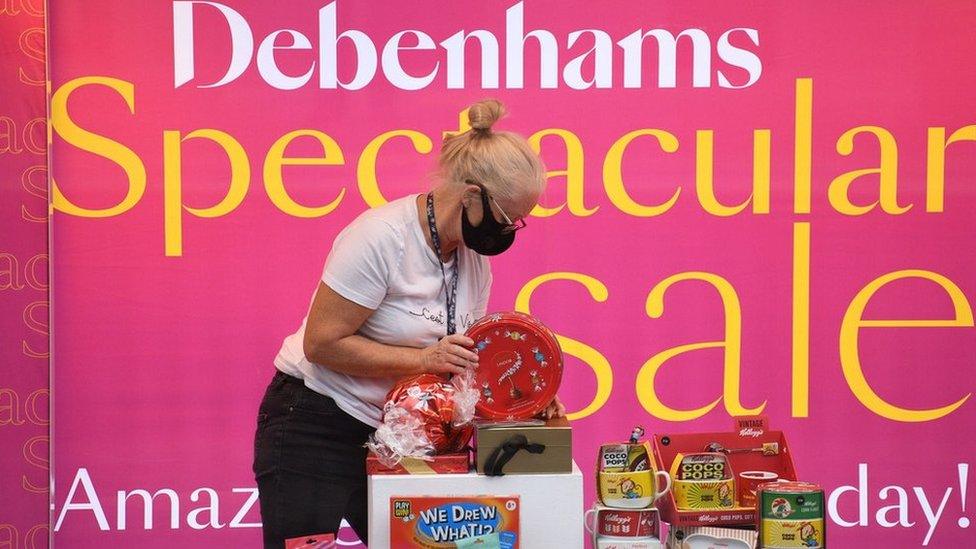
629	486
469	462
737	490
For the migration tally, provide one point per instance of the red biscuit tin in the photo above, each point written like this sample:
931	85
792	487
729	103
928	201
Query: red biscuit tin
519	368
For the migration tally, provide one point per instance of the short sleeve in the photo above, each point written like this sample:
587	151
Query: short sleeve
363	259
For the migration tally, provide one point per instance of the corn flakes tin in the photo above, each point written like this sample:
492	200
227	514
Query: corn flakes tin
790	515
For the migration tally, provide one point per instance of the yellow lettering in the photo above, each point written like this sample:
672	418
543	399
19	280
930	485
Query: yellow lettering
801	320
839	189
31	408
590	356
573	174
36	277
613	180
42	531
36	322
8	136
34	182
10	407
9	272
129	161
935	177
38	458
802	144
732	343
9	535
173	206
850	328
275	185
704	178
368	185
463	125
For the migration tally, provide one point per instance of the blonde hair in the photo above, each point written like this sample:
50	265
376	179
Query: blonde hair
504	162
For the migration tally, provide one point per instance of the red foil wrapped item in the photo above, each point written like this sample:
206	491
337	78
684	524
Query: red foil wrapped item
519	368
425	415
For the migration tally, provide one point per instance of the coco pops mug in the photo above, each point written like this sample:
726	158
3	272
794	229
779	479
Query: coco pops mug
632	489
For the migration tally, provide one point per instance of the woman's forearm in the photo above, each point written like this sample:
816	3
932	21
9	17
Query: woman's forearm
361	356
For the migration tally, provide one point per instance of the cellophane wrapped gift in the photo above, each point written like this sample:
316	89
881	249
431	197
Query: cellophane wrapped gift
425	415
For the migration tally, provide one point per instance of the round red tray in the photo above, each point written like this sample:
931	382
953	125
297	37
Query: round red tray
519	368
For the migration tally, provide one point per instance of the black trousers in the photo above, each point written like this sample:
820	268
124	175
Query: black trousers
309	463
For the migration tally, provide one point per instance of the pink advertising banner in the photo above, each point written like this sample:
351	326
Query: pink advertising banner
24	303
761	208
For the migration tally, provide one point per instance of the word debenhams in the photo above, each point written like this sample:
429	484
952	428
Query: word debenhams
745	63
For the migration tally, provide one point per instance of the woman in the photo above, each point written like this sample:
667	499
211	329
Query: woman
402	283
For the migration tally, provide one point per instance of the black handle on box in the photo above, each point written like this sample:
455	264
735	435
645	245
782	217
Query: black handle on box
504	452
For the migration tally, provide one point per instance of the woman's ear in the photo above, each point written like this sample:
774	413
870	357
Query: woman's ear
471	195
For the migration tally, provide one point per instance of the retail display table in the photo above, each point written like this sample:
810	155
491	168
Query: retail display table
550	505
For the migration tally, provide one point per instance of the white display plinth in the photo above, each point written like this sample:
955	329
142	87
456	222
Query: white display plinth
551	504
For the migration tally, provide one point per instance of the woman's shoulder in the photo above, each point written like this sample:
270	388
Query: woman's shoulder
388	220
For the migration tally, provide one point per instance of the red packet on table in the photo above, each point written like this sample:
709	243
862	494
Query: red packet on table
520	365
314	541
457	463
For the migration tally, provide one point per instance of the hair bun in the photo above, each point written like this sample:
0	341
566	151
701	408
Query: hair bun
483	114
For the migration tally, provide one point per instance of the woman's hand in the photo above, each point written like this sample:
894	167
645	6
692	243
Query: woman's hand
555	408
450	355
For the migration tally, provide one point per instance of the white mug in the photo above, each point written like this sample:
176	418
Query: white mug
638	524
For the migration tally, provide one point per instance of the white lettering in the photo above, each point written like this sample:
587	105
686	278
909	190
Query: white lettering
206	515
253	497
214	508
862	499
394	70
147	513
455	59
93	504
183	52
738	57
515	55
930	517
329	48
515	40
269	69
602	51
881	517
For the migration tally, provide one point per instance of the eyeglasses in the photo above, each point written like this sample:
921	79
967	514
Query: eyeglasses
510	226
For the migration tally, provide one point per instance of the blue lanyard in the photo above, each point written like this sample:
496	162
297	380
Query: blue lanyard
452	293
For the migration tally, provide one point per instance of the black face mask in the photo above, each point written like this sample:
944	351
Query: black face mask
487	238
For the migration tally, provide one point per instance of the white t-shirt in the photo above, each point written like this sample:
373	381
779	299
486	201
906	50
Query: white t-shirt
382	261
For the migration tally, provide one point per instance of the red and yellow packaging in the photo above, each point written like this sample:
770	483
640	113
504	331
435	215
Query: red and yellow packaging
750	446
428	522
315	541
458	463
703	480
